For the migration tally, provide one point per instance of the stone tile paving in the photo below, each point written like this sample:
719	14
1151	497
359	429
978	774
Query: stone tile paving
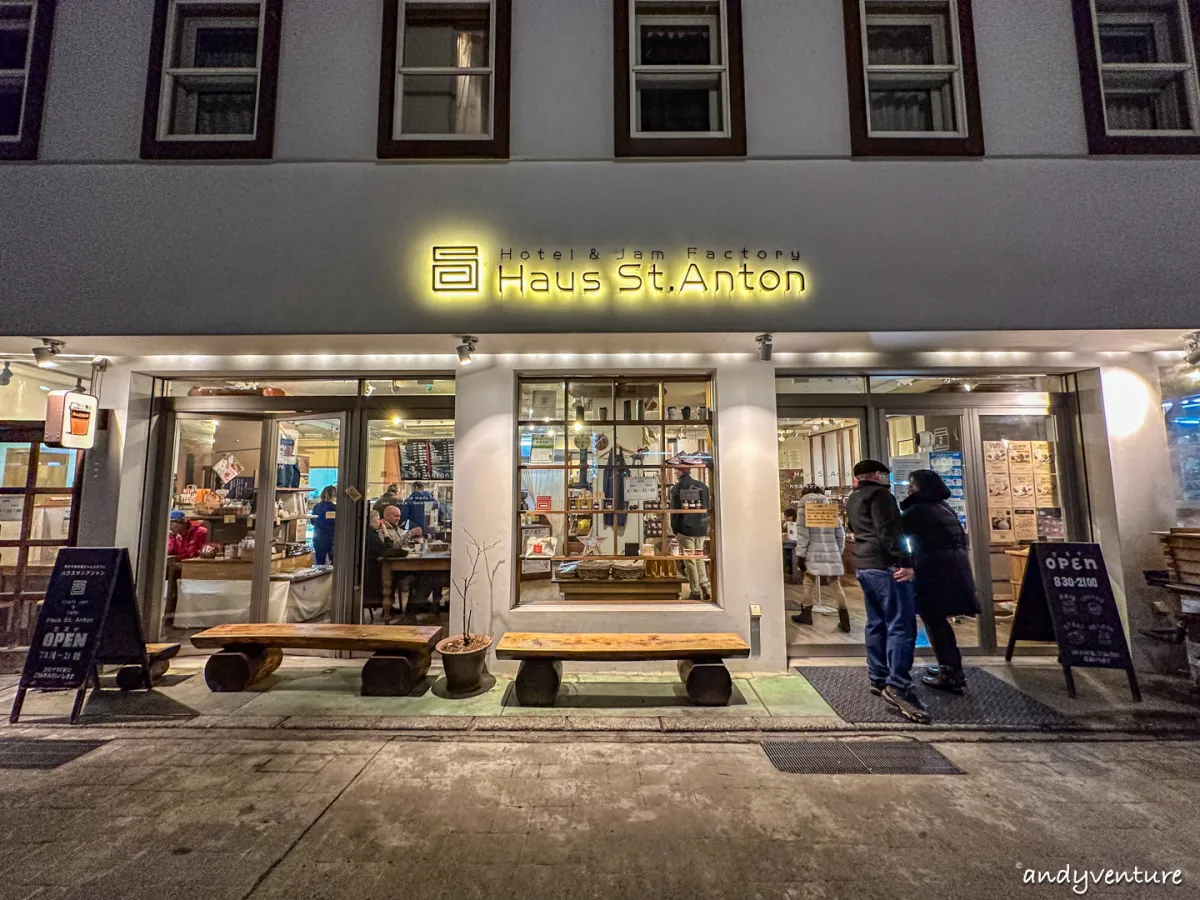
203	816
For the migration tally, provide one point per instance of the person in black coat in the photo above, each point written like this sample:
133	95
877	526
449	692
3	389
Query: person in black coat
945	585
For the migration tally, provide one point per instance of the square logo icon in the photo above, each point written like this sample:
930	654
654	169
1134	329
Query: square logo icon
455	269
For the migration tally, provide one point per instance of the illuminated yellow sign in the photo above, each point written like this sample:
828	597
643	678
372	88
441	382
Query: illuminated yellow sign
471	271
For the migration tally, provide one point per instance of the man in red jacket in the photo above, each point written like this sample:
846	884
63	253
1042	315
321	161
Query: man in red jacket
187	538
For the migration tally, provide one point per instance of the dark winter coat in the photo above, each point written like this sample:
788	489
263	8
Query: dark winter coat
945	585
874	519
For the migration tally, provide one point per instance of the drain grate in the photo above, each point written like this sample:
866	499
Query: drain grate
858	758
18	754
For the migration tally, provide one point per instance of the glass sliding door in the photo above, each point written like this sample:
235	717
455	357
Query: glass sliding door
817	453
934	439
1028	499
406	517
303	501
243	533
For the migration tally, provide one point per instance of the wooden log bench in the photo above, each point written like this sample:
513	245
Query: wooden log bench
158	657
700	656
249	653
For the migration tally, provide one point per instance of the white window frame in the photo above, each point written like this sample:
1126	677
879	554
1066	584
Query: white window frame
1186	69
20	77
401	70
171	72
719	107
937	74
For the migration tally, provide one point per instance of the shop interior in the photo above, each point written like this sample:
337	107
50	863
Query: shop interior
377	446
617	490
996	442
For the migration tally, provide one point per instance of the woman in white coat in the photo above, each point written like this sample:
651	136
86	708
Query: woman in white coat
821	549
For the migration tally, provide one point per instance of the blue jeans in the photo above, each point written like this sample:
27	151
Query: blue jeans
891	631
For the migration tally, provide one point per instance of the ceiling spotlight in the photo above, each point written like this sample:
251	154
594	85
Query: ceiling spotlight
764	347
6	375
465	349
1191	344
44	355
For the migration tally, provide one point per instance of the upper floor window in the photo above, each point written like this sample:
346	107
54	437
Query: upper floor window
25	31
679	86
210	92
444	84
1137	61
914	87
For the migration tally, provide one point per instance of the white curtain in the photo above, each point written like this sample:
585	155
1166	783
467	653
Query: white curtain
468	101
901	111
1133	112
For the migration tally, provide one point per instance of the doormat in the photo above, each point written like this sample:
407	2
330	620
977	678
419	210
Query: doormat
19	754
858	758
987	701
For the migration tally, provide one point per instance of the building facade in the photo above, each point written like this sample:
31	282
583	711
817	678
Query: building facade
967	226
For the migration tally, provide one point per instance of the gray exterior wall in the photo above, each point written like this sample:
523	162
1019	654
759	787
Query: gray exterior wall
1034	236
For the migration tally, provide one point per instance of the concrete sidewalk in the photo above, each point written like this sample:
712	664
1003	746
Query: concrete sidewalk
282	817
323	693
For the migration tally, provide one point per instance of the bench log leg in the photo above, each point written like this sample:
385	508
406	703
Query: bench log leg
234	670
393	674
707	681
129	678
538	681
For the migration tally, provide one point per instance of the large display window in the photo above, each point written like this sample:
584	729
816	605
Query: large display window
616	490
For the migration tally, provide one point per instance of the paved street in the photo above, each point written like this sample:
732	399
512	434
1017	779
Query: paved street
299	816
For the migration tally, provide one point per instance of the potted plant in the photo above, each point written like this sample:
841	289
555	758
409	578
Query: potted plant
464	655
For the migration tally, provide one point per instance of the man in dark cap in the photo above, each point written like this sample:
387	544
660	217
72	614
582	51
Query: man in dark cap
884	569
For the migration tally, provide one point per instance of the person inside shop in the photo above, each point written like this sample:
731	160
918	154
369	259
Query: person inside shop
413	509
390	497
385	538
187	538
324	518
788	534
692	529
942	563
821	549
884	570
789	519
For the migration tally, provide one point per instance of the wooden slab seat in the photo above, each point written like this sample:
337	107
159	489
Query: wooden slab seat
249	653
700	656
158	656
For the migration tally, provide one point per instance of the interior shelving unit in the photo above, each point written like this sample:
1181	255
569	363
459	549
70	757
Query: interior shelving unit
567	434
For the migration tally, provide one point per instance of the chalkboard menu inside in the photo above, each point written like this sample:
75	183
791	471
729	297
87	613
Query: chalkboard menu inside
89	618
1066	597
431	460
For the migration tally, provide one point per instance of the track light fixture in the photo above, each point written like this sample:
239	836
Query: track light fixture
44	355
465	349
1191	344
6	375
764	347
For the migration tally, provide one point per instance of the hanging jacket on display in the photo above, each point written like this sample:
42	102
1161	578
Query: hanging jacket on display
615	473
686	493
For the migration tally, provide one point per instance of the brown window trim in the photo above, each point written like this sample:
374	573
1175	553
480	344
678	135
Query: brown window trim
627	145
263	145
861	144
26	146
390	147
1099	140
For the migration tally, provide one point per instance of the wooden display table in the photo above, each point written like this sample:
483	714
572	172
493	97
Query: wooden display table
659	590
249	653
700	656
389	565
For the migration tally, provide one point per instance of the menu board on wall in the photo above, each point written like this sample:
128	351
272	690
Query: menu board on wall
1020	457
431	460
1041	456
949	465
995	456
1021	487
1025	524
999	490
1001	526
541	449
1044	489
